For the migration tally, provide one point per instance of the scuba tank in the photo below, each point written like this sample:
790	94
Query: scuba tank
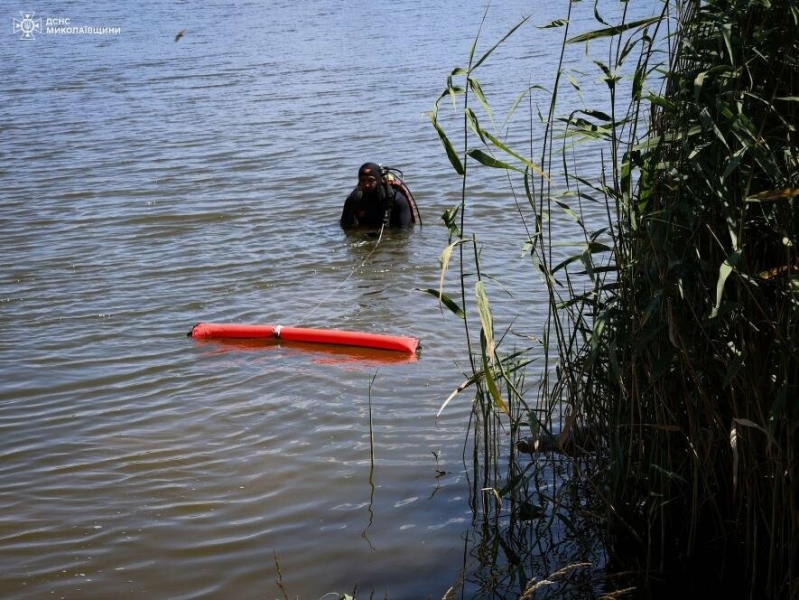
393	179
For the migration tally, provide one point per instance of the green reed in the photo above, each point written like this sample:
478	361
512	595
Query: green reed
668	389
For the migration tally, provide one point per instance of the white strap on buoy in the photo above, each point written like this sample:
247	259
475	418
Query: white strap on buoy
277	331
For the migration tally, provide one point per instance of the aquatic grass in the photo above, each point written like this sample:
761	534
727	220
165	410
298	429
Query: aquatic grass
699	339
510	492
667	356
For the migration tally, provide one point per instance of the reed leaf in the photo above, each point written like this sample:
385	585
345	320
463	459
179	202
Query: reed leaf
555	23
725	270
454	159
612	31
477	89
527	163
491	50
486	318
451	304
474	124
465	385
774	195
446	257
489	161
489	377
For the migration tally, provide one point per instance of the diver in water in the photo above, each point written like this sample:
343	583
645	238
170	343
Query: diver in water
375	202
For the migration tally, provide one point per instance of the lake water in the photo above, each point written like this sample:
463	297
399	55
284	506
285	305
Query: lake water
149	184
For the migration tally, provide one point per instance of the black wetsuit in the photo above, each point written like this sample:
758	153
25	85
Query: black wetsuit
369	210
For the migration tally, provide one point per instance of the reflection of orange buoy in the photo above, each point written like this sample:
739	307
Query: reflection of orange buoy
301	334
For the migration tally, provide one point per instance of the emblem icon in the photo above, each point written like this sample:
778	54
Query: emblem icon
27	26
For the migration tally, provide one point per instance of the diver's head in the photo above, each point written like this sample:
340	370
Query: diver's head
369	176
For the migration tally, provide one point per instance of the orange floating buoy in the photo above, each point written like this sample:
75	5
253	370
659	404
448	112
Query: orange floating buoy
395	343
206	331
